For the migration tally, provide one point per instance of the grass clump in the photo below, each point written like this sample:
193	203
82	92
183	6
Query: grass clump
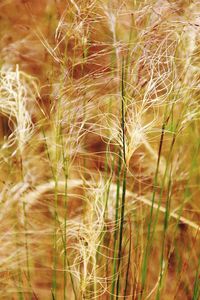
99	150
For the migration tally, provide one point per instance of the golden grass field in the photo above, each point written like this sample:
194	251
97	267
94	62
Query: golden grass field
99	149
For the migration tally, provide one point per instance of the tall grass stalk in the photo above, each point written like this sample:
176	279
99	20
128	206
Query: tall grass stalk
148	242
123	102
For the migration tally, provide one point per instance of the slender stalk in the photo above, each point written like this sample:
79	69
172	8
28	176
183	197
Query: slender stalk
165	227
114	269
124	178
147	248
129	261
57	157
65	236
19	272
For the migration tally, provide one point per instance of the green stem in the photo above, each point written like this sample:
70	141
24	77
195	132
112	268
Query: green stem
124	178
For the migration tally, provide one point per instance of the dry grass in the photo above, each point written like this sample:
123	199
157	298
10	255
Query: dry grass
99	149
